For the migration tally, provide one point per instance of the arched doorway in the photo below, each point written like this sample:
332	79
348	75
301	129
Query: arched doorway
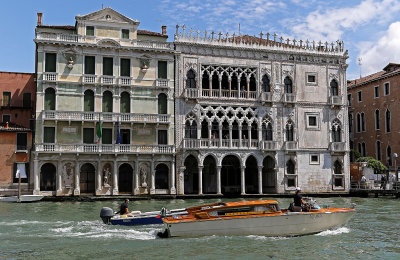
87	178
125	178
209	175
191	175
230	175
48	177
162	176
251	175
268	175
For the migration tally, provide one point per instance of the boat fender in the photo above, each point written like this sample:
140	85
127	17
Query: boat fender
106	214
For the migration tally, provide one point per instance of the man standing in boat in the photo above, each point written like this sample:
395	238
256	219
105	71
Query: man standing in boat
124	208
298	200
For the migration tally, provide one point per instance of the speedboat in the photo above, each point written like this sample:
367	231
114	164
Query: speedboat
22	198
137	217
257	217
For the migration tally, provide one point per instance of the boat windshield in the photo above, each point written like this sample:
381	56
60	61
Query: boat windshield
246	210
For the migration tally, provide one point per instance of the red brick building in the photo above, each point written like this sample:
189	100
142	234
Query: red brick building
17	117
374	109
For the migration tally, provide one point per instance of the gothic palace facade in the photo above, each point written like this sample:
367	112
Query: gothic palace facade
118	109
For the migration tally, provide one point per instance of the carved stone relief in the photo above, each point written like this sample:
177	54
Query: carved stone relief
107	178
68	175
143	174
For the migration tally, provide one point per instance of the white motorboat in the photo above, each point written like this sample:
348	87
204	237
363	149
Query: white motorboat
23	198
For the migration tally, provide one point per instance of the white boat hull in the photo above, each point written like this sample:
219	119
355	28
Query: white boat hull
24	198
290	224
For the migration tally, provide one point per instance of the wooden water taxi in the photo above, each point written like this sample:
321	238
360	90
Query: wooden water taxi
258	217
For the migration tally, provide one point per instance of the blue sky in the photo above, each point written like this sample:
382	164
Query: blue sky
369	28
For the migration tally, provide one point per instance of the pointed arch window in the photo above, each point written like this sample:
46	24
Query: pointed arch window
358	123
190	79
337	167
363	122
234	82
267	129
243	82
215	80
363	150
191	129
288	85
266	87
334	88
350	122
205	81
387	121
336	131
290	167
225	81
377	123
253	84
289	131
389	155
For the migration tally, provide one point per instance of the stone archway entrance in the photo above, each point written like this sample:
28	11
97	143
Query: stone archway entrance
161	177
209	175
48	177
125	178
251	175
230	175
269	175
87	179
191	175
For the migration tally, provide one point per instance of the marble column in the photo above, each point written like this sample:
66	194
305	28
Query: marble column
98	178
77	190
153	178
260	186
115	178
59	178
220	135
230	135
181	178
240	135
36	186
242	183
173	189
136	189
249	132
200	180
219	180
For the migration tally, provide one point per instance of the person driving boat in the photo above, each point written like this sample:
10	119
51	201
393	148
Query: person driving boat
298	200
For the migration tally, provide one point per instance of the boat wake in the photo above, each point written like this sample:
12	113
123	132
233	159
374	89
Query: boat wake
338	231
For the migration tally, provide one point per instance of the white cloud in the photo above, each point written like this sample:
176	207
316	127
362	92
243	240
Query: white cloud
330	23
386	50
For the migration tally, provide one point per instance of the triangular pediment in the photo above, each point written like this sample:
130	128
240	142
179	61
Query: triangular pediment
107	15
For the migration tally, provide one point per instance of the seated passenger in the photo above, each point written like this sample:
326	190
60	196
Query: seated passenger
124	208
298	200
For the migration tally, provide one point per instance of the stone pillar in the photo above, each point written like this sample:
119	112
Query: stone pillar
115	178
242	183
59	178
36	182
260	186
153	178
136	187
98	178
200	180
219	180
220	135
249	132
230	136
77	190
181	178
240	135
172	186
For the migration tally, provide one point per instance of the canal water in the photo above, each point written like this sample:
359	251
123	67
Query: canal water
73	230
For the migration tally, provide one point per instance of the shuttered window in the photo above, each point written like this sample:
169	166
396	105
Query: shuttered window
162	69
90	30
107	101
90	65
125	67
50	63
88	135
50	99
125	34
106	136
162	137
49	135
107	66
88	101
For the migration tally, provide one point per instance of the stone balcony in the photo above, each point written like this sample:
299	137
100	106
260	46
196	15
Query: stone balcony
105	117
50	76
291	146
219	94
289	98
162	83
266	97
107	80
336	100
204	143
337	147
104	148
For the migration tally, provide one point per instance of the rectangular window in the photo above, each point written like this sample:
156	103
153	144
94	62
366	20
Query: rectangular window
387	88
378	151
162	69
107	66
314	159
90	65
26	102
106	136
32	124
125	67
162	137
6	118
359	93
376	91
6	99
88	135
49	135
50	65
312	120
291	182
125	136
23	170
311	79
22	141
125	33
90	30
349	98
338	181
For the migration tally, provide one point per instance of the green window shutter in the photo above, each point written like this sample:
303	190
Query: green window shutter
49	135
106	137
107	66
88	101
26	100
162	69
125	67
125	34
90	30
125	103
162	104
49	99
90	65
50	65
107	101
88	135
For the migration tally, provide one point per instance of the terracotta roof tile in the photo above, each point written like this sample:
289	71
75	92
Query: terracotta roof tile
65	27
145	32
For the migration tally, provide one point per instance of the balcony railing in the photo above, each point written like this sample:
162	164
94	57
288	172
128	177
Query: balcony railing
338	147
266	97
290	145
50	76
336	100
104	148
268	145
191	93
89	79
125	81
107	80
204	143
105	117
289	98
162	83
220	94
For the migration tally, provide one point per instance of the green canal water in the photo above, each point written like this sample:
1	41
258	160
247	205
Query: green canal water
73	230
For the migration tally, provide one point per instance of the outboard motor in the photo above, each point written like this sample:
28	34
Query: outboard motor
106	214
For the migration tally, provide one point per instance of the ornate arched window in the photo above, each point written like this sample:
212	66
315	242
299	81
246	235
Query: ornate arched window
88	101
378	150
387	121
266	87
288	85
49	99
125	103
289	131
337	167
243	82
190	79
334	88
162	104
107	101
191	129
336	131
267	129
205	80
225	81
358	123
253	84
290	167
215	80
377	123
363	122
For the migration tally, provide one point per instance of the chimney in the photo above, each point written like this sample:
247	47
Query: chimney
164	30
39	18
